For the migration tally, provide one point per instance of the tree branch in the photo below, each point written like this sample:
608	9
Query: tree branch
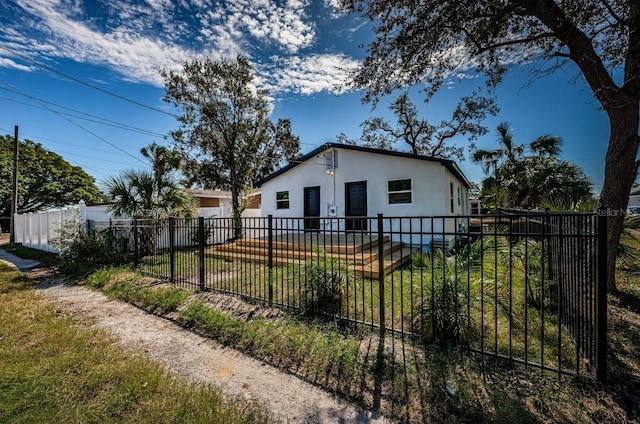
581	49
516	41
631	82
613	13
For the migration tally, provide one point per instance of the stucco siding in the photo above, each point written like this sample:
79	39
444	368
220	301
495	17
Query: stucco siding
429	185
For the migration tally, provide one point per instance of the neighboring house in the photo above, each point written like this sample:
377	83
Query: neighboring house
217	203
342	181
475	206
634	197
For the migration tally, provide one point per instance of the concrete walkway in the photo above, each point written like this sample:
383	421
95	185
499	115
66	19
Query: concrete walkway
16	262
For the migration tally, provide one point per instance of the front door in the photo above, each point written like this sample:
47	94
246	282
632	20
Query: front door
311	208
356	205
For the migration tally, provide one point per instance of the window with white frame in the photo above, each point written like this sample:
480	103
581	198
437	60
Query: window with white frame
282	200
399	191
459	198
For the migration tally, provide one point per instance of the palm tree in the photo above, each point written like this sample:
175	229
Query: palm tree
546	145
516	180
144	194
508	152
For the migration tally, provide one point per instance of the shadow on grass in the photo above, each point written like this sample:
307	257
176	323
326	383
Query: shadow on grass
415	383
11	280
45	258
628	299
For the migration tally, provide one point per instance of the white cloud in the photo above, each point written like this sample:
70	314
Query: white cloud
334	7
283	26
138	41
308	74
8	63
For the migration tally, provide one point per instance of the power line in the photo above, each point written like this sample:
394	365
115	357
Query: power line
93	149
74	162
99	120
75	123
37	139
88	157
79	81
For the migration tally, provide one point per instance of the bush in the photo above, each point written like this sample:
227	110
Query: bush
160	300
79	250
440	315
541	291
322	287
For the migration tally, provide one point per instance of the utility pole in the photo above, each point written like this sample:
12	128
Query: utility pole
14	193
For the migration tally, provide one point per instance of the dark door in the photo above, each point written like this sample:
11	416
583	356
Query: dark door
356	205
311	208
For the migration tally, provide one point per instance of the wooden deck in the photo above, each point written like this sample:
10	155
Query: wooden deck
360	251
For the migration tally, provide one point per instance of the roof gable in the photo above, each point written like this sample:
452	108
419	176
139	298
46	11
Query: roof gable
447	163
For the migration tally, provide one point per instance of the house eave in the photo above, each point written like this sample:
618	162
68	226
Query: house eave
447	163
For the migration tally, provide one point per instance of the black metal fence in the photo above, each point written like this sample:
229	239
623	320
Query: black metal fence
527	287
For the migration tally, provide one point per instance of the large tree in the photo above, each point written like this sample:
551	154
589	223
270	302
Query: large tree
424	42
163	159
426	138
45	180
226	137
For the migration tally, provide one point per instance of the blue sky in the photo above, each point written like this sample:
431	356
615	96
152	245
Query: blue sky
301	50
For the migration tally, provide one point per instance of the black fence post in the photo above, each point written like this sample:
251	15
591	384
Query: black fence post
111	234
601	298
270	256
201	243
172	250
136	258
548	230
383	325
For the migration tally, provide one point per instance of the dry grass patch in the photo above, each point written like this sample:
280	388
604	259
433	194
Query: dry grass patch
51	370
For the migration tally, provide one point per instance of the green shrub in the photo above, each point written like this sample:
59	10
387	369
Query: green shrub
440	310
541	291
80	250
323	287
161	300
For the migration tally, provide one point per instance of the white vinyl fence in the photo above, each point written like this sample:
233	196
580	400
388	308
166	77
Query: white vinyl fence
38	230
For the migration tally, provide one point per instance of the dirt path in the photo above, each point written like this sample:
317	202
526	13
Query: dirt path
202	360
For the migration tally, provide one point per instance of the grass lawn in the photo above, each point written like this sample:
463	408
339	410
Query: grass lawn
408	382
52	370
403	380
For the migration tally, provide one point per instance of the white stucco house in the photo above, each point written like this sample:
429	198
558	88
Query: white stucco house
634	197
217	203
343	181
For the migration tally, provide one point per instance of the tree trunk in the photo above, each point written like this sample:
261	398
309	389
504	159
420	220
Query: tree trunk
620	173
235	206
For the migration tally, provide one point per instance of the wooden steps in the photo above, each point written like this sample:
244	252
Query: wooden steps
390	262
245	257
360	252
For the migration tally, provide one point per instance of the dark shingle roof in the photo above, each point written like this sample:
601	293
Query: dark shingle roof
447	163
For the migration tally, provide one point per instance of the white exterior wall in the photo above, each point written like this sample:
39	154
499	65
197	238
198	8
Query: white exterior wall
430	190
428	182
634	200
